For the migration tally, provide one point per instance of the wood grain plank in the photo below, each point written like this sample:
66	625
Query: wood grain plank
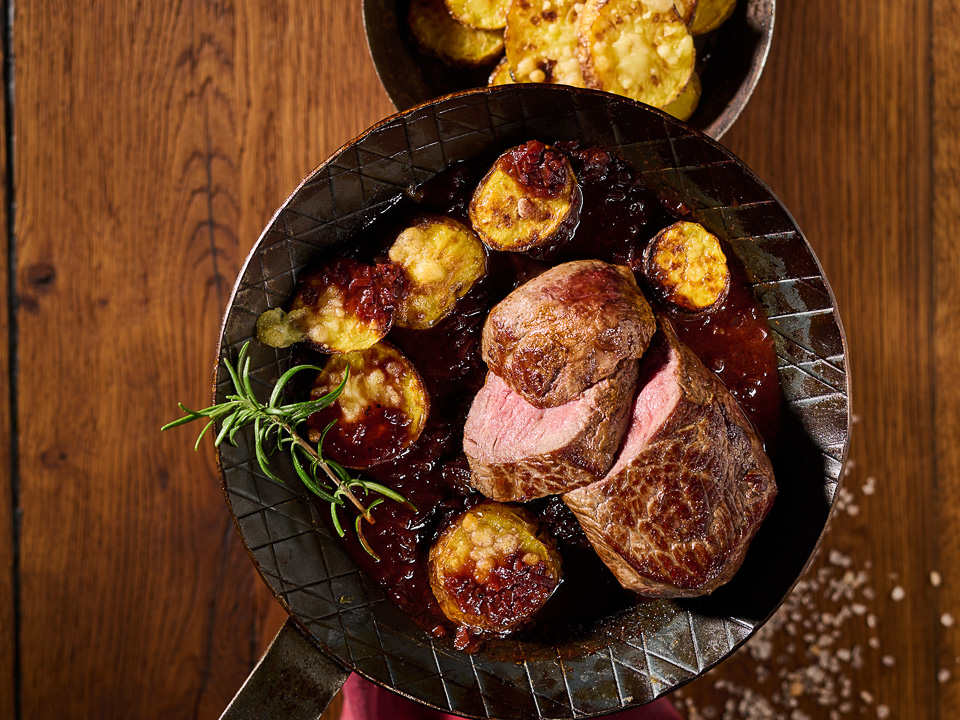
839	128
170	133
7	546
946	335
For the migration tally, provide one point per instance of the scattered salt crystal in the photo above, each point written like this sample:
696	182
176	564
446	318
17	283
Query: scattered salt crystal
888	660
870	486
858	609
874	642
943	676
946	620
935	578
871	621
883	712
844	654
898	594
853	510
866	697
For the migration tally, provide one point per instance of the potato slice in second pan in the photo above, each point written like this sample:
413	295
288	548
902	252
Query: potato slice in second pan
529	198
381	411
485	14
631	48
442	259
439	34
541	41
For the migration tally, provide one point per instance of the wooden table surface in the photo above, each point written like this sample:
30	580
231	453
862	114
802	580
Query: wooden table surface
145	146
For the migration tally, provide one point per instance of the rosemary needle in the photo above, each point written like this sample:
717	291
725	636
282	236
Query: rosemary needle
275	428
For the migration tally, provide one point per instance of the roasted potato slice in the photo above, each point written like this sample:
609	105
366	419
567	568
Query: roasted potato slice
492	569
439	34
442	259
529	198
483	14
344	305
541	41
686	104
381	411
633	48
702	16
685	265
501	73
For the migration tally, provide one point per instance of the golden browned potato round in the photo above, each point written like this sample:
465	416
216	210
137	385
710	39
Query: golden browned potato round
685	105
541	41
501	74
484	14
442	259
637	48
380	412
342	306
439	34
529	198
685	265
492	569
702	16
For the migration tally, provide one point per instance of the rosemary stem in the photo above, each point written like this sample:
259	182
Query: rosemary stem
326	468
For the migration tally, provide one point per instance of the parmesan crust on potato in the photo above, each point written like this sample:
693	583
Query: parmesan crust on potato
442	259
541	41
439	34
637	48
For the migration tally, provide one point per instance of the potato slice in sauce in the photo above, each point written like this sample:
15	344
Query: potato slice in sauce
442	259
492	569
440	35
529	198
685	265
381	411
344	305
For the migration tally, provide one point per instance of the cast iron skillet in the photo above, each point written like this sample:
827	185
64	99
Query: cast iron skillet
619	661
729	62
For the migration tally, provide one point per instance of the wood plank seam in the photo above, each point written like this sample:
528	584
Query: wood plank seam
6	29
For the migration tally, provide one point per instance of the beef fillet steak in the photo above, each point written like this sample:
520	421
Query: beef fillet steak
568	328
675	514
518	452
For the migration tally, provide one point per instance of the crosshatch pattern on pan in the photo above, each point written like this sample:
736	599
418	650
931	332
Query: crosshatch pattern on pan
626	660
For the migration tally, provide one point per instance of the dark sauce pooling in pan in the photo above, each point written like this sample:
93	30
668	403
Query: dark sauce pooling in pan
617	218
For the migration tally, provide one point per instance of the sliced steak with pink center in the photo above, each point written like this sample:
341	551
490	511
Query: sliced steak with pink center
675	514
568	328
519	452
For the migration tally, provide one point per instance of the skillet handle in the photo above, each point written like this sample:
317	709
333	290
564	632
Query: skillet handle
294	680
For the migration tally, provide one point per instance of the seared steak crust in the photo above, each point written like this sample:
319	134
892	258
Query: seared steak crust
568	328
519	452
676	513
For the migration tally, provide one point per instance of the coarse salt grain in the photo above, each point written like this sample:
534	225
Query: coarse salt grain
946	620
898	594
888	660
883	712
943	676
935	578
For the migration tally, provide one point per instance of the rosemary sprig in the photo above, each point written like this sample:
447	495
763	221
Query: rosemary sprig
275	427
